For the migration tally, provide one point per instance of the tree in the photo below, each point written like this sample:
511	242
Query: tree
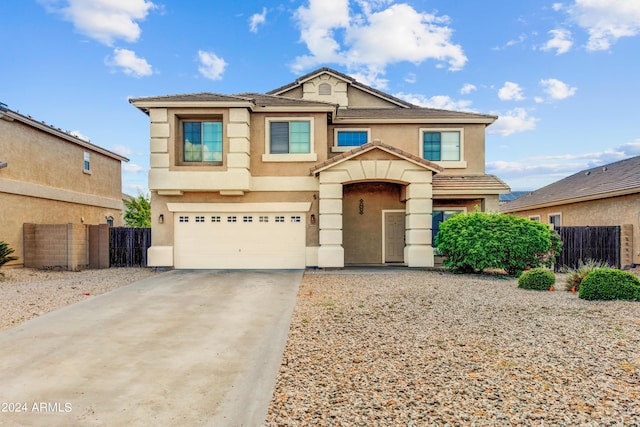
138	212
479	241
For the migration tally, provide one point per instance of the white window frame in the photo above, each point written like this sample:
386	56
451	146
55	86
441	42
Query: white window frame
311	156
86	163
338	149
449	164
559	215
534	218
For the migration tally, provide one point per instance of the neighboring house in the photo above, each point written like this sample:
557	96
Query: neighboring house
48	176
324	171
606	195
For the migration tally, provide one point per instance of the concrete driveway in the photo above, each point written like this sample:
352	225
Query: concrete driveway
196	348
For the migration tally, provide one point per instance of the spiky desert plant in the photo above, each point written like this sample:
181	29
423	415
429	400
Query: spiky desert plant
5	254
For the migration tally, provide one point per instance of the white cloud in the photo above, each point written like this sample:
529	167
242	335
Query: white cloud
410	78
369	41
103	20
468	88
606	21
538	171
557	6
557	89
441	102
122	150
130	63
514	121
132	168
77	134
211	65
257	19
560	41
510	92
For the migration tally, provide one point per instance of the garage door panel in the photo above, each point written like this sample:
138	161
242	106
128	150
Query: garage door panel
239	240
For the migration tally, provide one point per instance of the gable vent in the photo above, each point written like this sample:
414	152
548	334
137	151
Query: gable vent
324	89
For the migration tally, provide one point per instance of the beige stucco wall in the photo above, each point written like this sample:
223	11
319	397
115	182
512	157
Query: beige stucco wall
162	234
407	137
44	182
362	234
604	212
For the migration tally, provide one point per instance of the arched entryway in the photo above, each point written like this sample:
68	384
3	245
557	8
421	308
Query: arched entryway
373	215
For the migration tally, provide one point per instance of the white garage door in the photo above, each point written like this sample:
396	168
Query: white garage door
239	240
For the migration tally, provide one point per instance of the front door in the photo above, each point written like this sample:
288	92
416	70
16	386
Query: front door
394	236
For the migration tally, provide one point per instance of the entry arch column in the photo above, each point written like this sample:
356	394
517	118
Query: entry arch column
418	251
331	251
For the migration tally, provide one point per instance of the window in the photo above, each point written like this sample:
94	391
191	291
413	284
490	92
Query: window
289	139
231	219
202	141
264	219
535	218
296	218
443	145
345	138
86	167
247	219
215	218
555	220
279	218
440	216
184	218
199	218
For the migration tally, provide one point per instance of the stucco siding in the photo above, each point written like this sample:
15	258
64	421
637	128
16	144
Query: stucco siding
604	212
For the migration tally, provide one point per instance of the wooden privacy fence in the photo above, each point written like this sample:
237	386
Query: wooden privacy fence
589	243
128	246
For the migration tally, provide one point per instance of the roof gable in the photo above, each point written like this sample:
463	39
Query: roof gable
609	180
365	151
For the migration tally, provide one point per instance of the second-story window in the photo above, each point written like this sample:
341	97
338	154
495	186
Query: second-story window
345	139
441	145
86	167
290	137
202	141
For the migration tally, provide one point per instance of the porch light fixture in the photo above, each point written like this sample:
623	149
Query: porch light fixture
361	207
313	219
3	164
161	219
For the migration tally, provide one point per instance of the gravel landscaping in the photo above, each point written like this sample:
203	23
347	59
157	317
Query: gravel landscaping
27	293
432	348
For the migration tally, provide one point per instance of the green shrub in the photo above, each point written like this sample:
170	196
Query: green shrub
575	276
5	254
539	279
610	284
478	241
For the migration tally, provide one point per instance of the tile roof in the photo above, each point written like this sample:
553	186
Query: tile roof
622	177
450	183
409	113
57	132
265	100
369	146
343	76
188	97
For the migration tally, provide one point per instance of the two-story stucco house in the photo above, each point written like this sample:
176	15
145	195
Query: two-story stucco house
324	171
48	176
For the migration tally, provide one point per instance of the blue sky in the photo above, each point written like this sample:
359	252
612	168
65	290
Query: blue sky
562	75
